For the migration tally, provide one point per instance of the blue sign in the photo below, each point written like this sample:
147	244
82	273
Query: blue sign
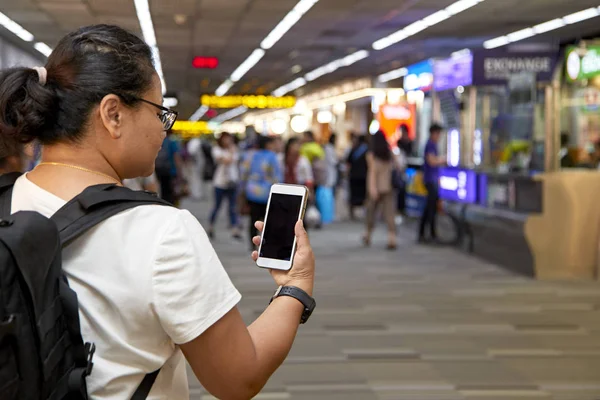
453	72
458	185
419	76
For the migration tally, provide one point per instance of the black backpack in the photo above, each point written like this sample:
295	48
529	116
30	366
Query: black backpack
42	353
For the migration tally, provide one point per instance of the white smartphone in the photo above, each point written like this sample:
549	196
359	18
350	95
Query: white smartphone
287	204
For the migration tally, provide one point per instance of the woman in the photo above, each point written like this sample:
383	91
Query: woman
260	170
357	172
226	179
297	168
381	162
150	286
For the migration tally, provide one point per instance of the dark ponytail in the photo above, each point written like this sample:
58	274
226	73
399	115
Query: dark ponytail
27	108
85	66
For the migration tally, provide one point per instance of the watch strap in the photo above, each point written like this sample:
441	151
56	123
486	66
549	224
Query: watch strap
307	301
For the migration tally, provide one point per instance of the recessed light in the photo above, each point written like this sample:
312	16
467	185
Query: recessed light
296	68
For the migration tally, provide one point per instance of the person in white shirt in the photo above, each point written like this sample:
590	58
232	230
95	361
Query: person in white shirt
225	181
151	289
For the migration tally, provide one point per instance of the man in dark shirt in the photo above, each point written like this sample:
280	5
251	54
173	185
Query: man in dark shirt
431	179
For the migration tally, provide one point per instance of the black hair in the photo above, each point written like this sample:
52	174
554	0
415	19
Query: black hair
264	141
564	139
403	128
332	139
85	66
380	147
309	135
221	139
435	128
288	145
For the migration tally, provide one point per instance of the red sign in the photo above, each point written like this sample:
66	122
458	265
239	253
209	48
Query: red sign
205	62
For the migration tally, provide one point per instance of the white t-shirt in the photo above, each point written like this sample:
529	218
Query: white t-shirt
225	174
147	279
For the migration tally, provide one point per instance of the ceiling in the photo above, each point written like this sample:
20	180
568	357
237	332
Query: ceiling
231	29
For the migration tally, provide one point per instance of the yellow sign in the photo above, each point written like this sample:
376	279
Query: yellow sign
188	129
249	101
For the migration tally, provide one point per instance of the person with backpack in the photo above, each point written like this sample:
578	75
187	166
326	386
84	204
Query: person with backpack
260	170
106	292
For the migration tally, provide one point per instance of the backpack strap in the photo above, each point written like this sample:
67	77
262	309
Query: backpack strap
94	205
7	182
144	389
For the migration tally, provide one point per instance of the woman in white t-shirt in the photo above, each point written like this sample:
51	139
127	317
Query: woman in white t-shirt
225	181
150	286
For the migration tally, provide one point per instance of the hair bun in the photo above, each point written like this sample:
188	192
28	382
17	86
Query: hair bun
26	106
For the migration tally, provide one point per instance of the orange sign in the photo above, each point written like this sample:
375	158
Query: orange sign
392	116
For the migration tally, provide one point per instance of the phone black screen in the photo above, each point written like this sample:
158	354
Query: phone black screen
278	237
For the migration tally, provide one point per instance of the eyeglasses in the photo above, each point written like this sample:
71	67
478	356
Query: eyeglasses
167	116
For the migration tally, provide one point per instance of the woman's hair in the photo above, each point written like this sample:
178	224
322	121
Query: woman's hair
85	66
221	139
288	146
332	139
380	147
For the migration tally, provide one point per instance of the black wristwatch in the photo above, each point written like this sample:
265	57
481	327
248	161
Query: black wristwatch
300	295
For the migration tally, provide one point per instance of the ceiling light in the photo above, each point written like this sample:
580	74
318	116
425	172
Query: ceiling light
390	76
296	69
461	5
497	42
224	88
199	113
420	25
437	17
142	9
15	28
549	26
542	28
324	117
299	123
461	53
520	35
43	48
287	22
334	65
293	85
278	126
250	62
236	112
581	15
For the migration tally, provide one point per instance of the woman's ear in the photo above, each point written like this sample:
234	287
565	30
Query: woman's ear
111	109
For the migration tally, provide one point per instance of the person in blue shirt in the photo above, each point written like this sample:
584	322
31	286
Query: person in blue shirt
260	170
431	167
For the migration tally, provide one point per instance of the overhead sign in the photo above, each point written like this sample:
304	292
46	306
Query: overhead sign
419	76
582	63
191	128
453	72
497	66
248	101
339	89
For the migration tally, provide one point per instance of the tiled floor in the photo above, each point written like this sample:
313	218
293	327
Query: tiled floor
425	323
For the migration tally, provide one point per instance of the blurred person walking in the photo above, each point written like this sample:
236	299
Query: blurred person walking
260	170
357	173
297	169
431	166
381	163
225	181
151	290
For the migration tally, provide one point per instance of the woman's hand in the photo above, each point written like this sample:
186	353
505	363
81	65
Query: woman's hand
302	274
373	194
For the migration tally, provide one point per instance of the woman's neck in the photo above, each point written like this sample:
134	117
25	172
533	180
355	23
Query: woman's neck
80	156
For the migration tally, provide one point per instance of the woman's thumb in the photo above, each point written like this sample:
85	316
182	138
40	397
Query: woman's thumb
301	235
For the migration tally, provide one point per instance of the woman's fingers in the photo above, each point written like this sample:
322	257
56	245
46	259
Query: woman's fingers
255	255
259	225
256	240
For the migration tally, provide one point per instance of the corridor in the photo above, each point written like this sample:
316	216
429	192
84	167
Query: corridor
424	323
